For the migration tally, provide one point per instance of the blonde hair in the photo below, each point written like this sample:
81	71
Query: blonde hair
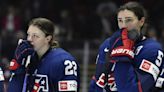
48	27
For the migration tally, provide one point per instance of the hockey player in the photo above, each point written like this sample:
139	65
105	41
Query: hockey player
100	65
51	69
135	61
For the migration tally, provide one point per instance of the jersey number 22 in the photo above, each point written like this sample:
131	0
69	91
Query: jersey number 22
71	67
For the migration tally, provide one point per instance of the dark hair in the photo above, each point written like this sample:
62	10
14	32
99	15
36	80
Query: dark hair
136	8
47	27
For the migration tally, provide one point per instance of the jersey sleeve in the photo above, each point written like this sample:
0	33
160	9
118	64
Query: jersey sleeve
150	67
104	79
103	49
65	73
101	57
100	62
159	85
16	83
141	76
93	86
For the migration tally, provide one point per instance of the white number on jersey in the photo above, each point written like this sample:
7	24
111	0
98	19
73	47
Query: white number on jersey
71	67
158	61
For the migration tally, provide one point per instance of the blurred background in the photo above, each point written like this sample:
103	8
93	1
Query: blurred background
81	26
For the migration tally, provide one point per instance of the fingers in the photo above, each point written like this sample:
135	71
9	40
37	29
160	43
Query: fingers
127	43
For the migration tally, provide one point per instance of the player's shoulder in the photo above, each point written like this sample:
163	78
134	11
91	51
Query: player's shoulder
116	34
148	48
106	40
106	46
115	37
105	43
60	54
151	44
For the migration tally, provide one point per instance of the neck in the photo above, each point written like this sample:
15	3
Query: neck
42	51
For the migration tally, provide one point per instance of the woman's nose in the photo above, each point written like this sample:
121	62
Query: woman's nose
124	25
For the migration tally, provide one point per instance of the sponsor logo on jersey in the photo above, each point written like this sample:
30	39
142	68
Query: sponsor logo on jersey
149	67
146	65
63	85
67	85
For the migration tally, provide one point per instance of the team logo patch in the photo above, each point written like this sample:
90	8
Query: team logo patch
41	83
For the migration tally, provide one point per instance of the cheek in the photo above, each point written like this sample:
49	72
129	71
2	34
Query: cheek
120	25
38	44
132	26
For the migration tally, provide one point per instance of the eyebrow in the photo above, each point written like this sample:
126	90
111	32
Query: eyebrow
125	18
128	17
29	32
33	33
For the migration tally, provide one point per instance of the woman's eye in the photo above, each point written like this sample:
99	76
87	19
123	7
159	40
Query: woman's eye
129	20
35	36
120	21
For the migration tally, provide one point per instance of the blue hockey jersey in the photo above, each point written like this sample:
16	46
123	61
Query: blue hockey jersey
100	63
140	74
57	71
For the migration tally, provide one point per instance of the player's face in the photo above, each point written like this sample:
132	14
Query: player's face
37	38
127	19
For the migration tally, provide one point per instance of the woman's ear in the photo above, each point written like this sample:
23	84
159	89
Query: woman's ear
49	38
142	21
